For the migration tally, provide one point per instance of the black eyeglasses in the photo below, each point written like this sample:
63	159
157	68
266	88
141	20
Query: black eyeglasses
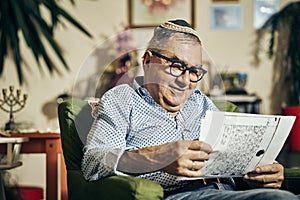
178	68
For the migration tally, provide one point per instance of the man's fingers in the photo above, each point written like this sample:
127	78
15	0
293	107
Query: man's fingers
198	155
199	145
196	165
271	168
268	180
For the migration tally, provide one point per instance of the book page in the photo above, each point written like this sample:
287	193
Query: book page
242	141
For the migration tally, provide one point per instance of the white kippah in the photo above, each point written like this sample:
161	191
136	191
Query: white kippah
183	29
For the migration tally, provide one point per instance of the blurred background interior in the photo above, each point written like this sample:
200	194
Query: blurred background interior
84	47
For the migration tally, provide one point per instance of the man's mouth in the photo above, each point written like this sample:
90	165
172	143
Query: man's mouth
177	90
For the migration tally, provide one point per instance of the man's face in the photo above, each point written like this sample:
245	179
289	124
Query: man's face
169	91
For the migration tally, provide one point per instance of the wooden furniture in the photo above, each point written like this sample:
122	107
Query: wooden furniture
50	144
13	147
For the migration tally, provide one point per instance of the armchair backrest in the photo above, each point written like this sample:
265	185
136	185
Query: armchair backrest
75	121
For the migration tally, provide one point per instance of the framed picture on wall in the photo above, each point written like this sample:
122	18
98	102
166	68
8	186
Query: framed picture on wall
226	16
143	13
263	10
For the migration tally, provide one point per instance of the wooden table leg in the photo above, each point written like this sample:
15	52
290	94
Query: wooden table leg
64	189
51	169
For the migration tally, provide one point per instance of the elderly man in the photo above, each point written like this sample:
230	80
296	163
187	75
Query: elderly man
150	130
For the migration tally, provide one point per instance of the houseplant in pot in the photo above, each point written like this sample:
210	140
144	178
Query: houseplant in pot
284	47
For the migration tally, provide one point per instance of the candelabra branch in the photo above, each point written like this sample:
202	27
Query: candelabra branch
12	103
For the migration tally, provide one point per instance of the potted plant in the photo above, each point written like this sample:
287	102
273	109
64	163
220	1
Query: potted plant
284	47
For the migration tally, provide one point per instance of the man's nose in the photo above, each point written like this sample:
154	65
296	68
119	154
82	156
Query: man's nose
185	77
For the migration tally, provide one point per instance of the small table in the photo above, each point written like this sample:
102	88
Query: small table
50	144
13	147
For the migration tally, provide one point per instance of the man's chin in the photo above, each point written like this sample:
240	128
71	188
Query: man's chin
173	103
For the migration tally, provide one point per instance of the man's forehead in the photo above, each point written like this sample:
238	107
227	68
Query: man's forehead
183	47
177	44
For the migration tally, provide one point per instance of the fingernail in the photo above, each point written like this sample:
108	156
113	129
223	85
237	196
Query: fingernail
258	169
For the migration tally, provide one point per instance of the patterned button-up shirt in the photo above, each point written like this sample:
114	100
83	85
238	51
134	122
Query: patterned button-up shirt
128	118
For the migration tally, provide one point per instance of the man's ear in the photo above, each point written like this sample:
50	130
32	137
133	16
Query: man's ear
146	58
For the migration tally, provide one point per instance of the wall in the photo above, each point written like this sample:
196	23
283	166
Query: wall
230	50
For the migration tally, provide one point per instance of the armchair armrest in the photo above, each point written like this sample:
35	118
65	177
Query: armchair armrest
120	187
292	180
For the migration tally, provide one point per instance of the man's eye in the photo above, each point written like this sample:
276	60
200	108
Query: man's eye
196	72
178	66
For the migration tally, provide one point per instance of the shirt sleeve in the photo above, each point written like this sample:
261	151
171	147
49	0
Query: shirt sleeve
106	140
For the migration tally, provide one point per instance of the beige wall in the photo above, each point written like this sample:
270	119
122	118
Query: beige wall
230	50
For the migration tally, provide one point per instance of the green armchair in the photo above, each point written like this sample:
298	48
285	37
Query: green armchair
75	117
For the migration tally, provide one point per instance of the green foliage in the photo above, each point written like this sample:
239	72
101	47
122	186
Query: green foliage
24	17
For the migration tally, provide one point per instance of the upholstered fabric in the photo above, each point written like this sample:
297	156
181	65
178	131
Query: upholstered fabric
226	106
112	187
292	180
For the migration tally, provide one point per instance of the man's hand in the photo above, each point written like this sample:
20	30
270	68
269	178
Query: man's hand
267	176
183	157
191	161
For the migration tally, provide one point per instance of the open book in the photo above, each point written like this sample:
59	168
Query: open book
242	141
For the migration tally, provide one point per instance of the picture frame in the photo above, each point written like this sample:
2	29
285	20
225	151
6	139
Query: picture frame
262	10
226	16
141	15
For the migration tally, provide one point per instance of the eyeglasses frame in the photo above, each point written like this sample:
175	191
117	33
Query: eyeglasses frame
184	65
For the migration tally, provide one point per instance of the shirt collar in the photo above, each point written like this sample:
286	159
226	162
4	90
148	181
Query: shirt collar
143	92
138	82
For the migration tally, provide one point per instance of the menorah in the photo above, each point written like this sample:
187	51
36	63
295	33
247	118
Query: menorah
11	104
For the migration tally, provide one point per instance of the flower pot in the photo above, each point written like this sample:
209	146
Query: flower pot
294	136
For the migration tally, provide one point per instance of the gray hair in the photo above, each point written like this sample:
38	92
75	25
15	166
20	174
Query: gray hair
162	35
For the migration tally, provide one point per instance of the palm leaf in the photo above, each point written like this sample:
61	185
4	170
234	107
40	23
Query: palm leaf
24	17
70	19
